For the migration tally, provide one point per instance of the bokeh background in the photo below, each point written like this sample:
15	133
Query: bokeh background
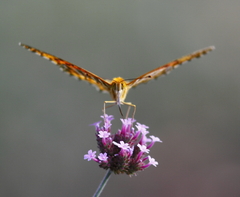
45	115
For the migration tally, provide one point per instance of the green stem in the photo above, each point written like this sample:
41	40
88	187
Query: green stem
102	184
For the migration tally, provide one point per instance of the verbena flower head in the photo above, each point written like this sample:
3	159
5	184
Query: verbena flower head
125	151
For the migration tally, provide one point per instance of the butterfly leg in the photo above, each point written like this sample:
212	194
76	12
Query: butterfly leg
128	110
129	106
104	106
125	103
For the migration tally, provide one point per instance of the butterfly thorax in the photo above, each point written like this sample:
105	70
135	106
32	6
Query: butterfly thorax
118	90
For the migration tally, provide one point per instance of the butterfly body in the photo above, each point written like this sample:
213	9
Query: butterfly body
118	90
117	87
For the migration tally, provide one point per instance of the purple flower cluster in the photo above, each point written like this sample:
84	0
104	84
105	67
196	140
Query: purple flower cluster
123	152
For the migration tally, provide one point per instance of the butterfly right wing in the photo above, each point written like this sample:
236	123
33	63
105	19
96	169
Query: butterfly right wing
79	73
168	67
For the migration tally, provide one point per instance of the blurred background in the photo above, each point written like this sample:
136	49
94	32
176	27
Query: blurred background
195	111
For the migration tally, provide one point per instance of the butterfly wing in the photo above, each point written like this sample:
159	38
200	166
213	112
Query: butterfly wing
168	67
72	69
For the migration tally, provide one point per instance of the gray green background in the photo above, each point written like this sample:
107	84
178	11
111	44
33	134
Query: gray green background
45	115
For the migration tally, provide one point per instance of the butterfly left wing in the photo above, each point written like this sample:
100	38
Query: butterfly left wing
168	67
72	69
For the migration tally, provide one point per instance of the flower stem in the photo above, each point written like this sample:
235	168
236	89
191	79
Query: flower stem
102	184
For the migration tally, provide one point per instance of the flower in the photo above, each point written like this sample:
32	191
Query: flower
152	161
103	134
127	150
143	148
103	157
91	155
122	145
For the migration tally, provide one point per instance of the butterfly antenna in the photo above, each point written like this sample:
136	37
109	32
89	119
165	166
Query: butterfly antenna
148	76
130	79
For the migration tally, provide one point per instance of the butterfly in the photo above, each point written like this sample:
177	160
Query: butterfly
117	87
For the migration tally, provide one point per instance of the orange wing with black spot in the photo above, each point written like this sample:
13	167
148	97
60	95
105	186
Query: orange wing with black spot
153	74
72	69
